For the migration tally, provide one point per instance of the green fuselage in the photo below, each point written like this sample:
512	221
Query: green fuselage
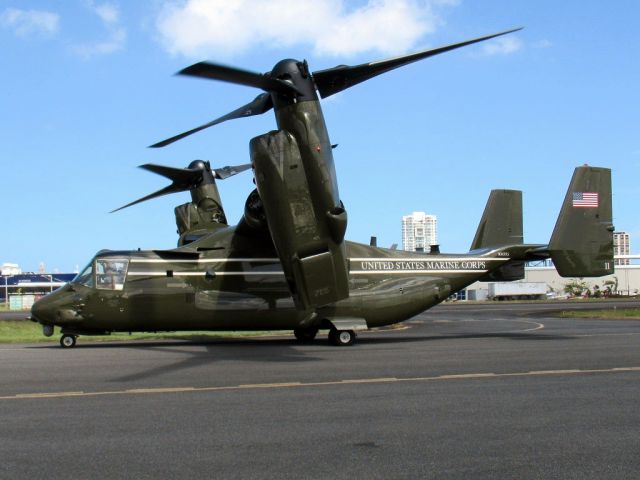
226	281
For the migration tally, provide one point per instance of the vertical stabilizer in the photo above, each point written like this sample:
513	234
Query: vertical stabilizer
582	241
501	225
501	222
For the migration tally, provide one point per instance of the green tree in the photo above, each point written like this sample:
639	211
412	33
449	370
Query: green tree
610	287
576	288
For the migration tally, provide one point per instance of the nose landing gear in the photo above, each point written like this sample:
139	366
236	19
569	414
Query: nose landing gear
68	341
47	330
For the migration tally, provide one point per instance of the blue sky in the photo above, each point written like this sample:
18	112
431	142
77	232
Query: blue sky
87	85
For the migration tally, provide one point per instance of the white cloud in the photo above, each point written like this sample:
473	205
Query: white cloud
109	14
542	44
502	46
225	28
115	42
26	22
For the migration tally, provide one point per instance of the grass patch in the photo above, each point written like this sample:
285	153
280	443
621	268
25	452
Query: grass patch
628	313
21	331
25	331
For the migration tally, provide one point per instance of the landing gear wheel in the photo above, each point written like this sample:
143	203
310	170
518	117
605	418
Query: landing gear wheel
342	338
305	334
68	341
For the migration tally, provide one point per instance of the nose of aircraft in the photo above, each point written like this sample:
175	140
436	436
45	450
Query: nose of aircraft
43	310
61	307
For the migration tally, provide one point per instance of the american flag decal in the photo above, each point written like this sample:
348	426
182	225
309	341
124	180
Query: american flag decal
585	199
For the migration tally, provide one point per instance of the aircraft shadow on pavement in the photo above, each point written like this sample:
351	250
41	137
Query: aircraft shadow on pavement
270	351
275	349
280	349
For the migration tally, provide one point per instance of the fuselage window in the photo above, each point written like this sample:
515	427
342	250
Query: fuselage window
111	273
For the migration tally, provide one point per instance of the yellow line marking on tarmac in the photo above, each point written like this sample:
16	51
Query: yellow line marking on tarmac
270	385
48	395
160	390
462	376
355	381
370	380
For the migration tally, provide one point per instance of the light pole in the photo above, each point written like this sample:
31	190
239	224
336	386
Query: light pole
626	274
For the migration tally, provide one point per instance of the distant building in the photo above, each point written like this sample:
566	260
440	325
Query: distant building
10	269
20	290
419	232
621	246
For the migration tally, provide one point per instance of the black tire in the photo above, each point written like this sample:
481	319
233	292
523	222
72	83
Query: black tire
342	338
68	341
305	334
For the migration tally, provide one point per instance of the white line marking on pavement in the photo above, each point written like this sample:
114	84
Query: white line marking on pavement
355	381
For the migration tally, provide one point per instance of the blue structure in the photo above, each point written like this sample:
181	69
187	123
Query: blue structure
32	283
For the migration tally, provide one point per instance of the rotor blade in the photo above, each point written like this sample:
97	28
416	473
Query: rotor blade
183	177
236	75
226	172
262	103
334	80
159	193
182	180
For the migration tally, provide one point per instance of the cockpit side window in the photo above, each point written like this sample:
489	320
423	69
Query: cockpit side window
111	273
85	277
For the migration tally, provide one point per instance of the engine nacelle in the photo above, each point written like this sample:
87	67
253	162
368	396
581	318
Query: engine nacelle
309	242
254	215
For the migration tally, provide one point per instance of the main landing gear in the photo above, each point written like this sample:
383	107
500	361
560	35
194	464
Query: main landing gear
306	334
342	338
68	341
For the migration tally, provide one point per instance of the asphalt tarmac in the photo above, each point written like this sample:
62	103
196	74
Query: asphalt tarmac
462	391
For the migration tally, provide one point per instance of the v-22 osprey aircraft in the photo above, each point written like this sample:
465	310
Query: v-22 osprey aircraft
286	265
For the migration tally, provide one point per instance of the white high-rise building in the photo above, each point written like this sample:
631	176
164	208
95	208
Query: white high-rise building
621	246
419	231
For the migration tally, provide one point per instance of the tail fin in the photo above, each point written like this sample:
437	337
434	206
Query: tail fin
582	241
501	222
501	225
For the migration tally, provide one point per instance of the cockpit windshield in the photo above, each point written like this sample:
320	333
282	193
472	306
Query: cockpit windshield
110	273
104	273
86	276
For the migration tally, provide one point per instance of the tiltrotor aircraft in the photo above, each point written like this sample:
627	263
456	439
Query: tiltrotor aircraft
286	264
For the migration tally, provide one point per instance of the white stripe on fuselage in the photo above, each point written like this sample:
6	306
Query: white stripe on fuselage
280	272
198	274
433	258
204	260
428	258
404	272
